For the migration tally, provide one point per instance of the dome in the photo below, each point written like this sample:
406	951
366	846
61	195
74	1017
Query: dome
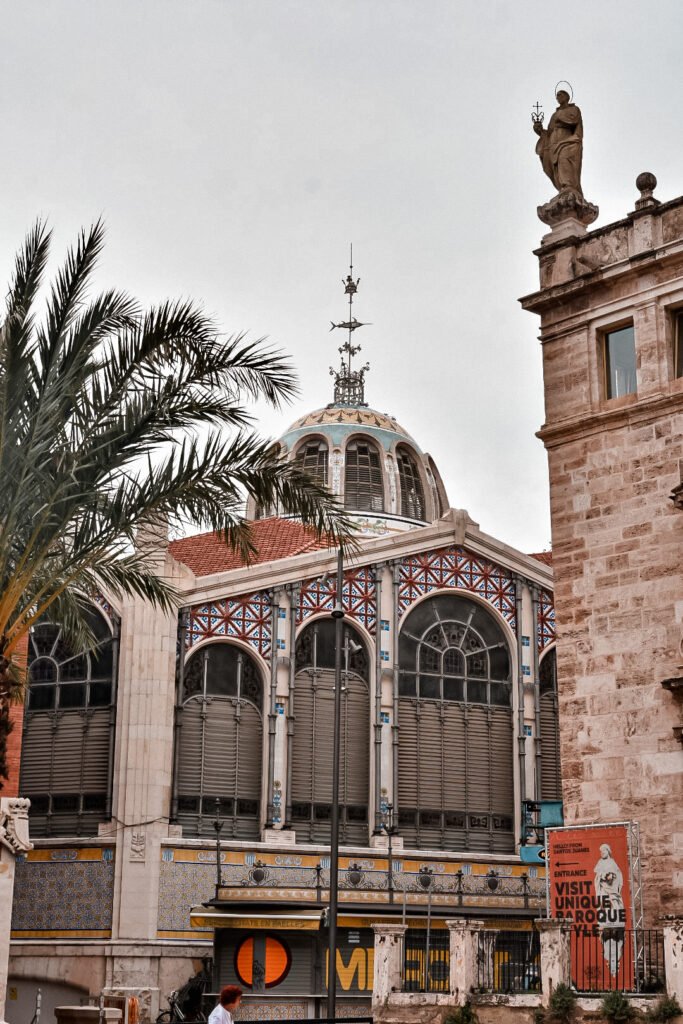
337	422
371	463
364	457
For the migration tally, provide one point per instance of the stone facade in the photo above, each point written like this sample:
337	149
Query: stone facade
617	535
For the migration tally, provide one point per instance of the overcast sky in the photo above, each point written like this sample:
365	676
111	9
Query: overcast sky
235	147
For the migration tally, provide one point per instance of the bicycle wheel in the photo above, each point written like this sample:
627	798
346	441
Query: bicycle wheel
165	1017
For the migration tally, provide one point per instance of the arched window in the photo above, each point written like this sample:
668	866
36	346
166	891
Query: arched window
313	737
363	486
312	459
439	507
455	729
220	742
68	739
412	493
551	778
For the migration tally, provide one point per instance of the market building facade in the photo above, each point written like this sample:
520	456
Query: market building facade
223	714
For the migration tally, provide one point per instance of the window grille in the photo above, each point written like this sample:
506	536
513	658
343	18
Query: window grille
68	738
551	778
412	493
313	736
363	486
455	758
312	459
220	737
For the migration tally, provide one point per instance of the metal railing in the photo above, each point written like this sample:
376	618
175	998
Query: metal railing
509	962
456	889
426	960
618	959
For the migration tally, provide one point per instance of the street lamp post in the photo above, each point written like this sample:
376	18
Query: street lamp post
218	826
387	826
426	879
338	616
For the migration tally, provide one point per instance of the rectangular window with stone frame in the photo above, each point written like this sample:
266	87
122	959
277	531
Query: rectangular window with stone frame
619	361
677	317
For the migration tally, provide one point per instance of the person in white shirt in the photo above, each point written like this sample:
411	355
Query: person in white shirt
230	999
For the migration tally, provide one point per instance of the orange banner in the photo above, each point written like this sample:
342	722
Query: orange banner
589	881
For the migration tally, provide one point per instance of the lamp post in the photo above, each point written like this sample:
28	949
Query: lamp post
426	879
218	827
338	616
387	826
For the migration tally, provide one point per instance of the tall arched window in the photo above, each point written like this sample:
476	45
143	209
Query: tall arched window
313	736
220	742
412	493
363	486
68	740
439	507
551	778
455	729
312	459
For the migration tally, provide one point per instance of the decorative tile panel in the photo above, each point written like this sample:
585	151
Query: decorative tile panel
455	567
359	597
64	893
546	620
246	618
183	885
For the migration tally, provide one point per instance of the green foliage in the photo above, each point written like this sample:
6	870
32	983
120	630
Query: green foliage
115	422
616	1008
539	1015
462	1015
665	1009
562	1003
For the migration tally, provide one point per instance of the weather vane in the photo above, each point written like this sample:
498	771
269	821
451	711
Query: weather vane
349	384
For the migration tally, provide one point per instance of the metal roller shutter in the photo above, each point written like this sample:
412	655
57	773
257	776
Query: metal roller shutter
221	746
312	756
551	781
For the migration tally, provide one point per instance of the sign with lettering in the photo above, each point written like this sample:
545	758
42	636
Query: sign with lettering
590	882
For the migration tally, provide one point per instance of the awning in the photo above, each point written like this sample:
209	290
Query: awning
201	917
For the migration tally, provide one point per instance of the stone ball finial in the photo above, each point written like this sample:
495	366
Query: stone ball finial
646	183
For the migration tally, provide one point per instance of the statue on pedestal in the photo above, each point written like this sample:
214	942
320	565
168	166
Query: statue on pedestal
560	145
560	150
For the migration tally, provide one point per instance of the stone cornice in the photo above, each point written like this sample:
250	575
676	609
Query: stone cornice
642	412
556	295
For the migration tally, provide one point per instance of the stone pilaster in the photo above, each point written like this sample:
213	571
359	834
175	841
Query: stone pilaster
464	947
556	968
673	957
388	961
13	840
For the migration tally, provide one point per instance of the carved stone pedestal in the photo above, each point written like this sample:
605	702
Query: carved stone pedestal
568	214
13	840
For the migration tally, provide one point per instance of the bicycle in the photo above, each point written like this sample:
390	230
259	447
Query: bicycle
185	1004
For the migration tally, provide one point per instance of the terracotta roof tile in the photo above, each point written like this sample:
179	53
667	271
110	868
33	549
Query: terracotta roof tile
543	556
206	553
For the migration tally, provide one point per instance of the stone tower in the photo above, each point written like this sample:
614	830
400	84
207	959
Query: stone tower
611	309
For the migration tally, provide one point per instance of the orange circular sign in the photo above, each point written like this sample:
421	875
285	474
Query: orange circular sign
263	959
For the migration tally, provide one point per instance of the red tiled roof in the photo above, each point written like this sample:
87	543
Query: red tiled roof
206	553
543	556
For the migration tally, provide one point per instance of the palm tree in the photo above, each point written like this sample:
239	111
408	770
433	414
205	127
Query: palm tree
114	420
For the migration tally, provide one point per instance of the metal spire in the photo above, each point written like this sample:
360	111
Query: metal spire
349	384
